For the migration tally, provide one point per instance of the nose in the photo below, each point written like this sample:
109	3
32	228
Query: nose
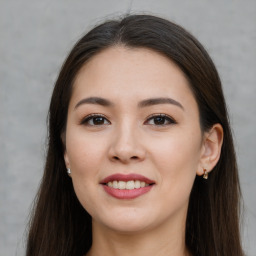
126	146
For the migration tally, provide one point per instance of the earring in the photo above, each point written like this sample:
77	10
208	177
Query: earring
205	176
68	171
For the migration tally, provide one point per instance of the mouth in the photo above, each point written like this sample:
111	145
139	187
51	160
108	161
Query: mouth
127	186
131	184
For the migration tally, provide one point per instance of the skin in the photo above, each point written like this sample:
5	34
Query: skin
129	140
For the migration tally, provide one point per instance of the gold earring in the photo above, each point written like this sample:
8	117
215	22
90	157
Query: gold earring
205	176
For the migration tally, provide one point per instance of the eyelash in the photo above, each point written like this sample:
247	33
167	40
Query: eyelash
90	117
167	118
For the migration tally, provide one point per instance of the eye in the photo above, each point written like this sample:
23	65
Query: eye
95	120
160	120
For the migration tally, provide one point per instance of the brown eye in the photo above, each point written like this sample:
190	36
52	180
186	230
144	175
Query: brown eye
160	120
95	120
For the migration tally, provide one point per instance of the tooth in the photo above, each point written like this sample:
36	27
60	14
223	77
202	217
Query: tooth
137	184
129	184
115	184
121	184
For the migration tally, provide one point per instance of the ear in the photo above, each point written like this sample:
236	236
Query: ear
66	159
211	149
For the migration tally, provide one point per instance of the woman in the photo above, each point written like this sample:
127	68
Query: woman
137	122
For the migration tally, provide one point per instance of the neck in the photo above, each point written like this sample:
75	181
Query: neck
161	241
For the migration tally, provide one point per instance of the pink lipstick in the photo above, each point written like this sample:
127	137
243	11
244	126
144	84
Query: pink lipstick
128	186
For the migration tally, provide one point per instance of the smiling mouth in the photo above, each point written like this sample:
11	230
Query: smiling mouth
126	186
131	184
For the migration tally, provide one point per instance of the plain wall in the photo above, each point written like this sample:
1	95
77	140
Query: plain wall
35	37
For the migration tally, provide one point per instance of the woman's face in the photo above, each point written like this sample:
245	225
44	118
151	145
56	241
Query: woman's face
133	140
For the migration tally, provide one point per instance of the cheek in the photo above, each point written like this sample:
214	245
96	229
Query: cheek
85	155
176	158
176	161
84	152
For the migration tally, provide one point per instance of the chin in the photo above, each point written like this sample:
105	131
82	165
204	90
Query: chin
126	227
127	221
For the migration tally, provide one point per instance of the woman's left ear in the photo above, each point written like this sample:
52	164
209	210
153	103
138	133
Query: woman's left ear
211	149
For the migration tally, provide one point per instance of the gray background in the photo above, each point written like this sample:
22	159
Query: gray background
35	37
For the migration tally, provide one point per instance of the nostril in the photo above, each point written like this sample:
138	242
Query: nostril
117	158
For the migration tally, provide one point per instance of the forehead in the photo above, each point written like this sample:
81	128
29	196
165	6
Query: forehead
134	73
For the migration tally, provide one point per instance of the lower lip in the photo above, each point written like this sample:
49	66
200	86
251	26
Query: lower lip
126	193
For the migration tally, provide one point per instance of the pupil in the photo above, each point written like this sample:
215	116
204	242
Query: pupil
159	120
98	120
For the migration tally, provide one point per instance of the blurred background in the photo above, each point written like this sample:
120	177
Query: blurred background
36	36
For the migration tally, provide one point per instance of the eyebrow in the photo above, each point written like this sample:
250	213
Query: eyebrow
95	100
156	101
141	104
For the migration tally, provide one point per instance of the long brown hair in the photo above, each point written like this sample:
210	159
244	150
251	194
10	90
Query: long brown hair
61	226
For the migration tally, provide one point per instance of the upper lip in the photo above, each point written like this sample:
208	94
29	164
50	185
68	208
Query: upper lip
126	177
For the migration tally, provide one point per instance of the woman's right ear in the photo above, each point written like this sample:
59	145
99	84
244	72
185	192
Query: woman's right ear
66	159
